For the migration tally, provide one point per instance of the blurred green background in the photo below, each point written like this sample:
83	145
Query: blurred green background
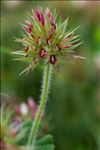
73	107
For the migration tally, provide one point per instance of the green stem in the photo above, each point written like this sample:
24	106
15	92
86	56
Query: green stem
45	89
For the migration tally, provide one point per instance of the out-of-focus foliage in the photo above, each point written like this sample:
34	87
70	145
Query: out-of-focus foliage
16	121
73	105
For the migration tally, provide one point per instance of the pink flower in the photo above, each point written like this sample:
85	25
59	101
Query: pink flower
50	33
58	47
32	106
48	41
53	59
17	110
42	53
40	16
49	14
28	27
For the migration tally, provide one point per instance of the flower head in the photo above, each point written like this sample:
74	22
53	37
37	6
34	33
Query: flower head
46	41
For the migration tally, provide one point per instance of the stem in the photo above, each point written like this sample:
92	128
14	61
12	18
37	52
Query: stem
45	89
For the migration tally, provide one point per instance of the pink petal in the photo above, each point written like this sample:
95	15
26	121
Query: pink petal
40	16
42	53
31	104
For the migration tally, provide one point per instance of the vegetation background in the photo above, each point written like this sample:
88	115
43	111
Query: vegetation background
73	107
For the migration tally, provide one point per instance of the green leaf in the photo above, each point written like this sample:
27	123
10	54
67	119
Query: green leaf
21	135
48	139
45	143
45	147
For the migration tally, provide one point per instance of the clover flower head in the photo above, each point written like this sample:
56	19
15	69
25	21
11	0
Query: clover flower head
46	41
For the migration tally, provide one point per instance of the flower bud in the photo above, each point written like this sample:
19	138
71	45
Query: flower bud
31	104
49	14
52	59
24	109
42	53
17	110
40	16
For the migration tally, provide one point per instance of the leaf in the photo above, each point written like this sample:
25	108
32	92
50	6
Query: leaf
21	135
45	147
48	139
46	143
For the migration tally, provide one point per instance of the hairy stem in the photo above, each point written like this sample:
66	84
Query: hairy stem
45	89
